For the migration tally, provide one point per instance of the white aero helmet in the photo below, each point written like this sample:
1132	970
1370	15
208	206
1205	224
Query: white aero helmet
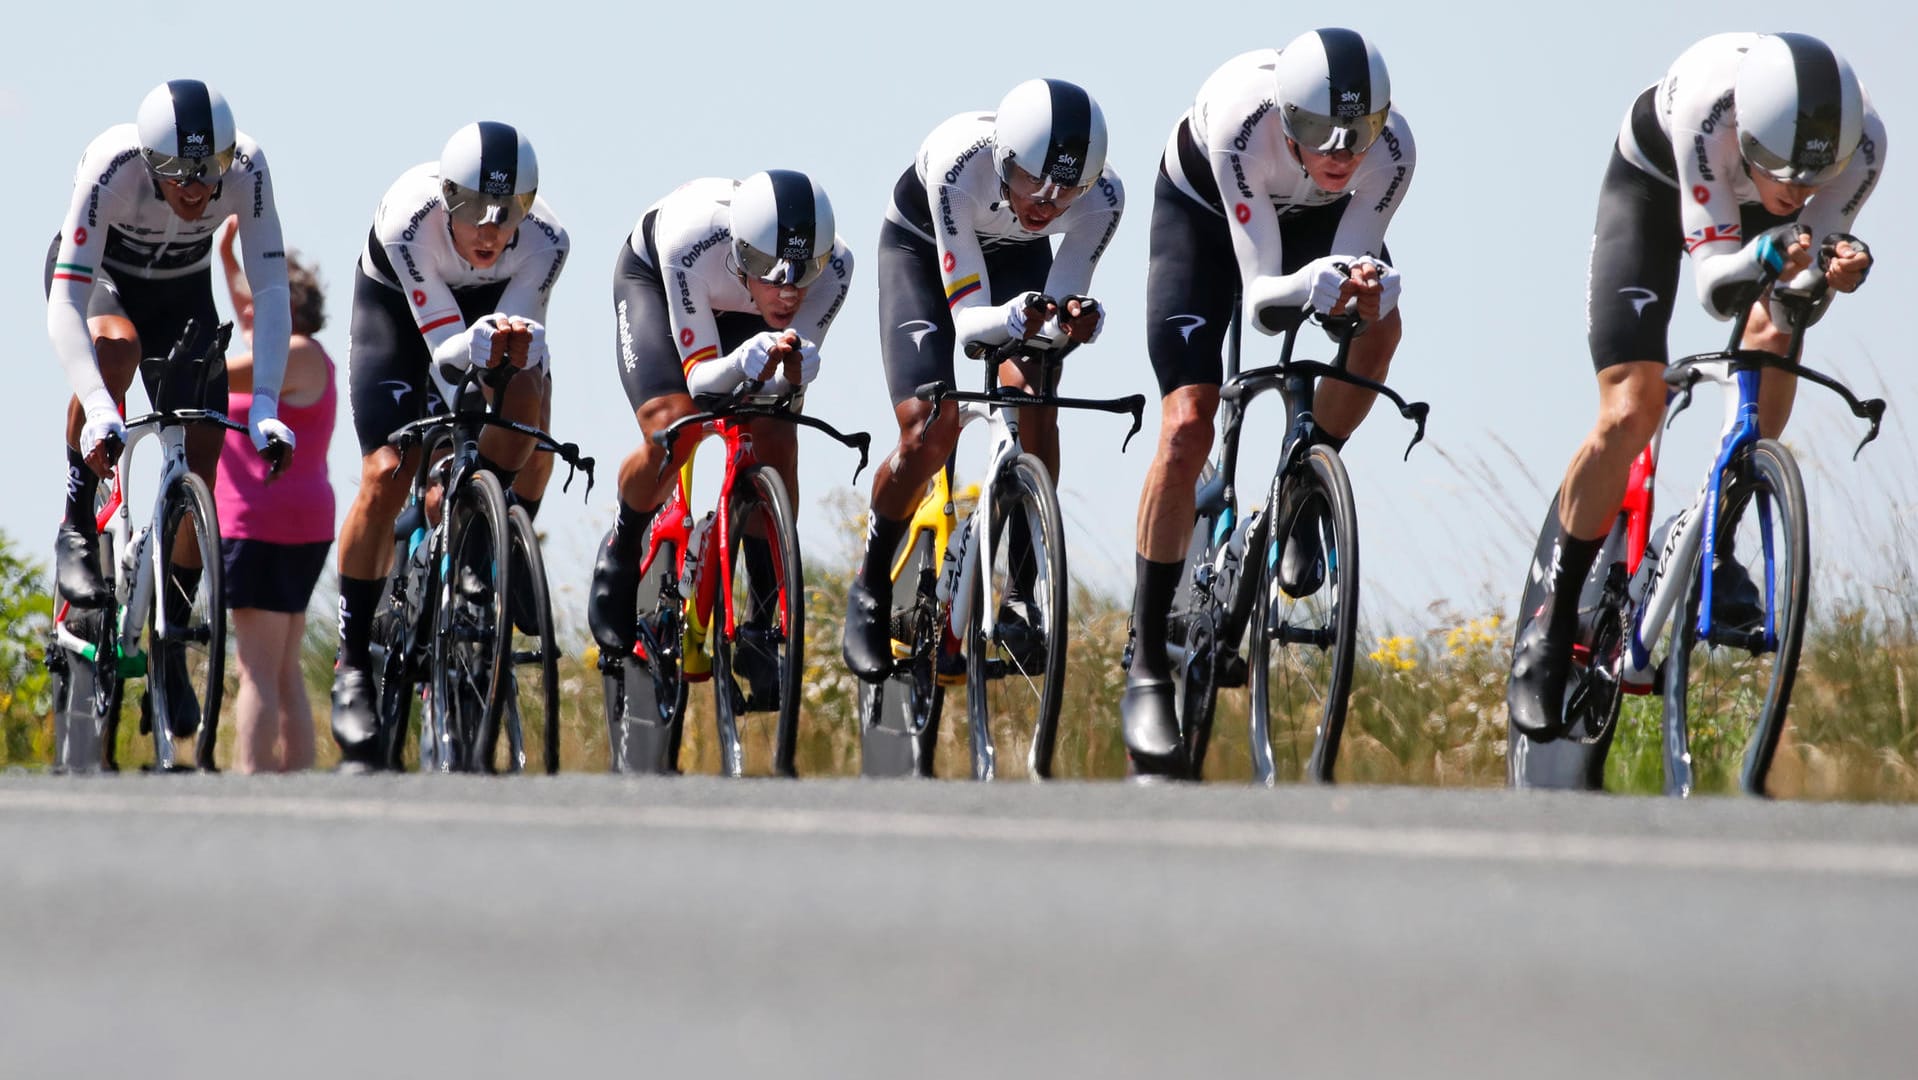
1333	92
1800	112
186	132
488	174
1048	140
782	228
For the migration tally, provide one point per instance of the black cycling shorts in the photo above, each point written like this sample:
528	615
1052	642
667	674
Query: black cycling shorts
387	358
1636	249
271	577
916	338
159	310
649	365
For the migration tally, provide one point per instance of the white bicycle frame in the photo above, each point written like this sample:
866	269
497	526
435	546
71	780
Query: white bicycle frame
970	546
134	581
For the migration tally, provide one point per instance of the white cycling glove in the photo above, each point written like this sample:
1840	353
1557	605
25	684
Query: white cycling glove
103	420
1389	283
1015	312
480	340
1055	329
263	423
1326	279
747	361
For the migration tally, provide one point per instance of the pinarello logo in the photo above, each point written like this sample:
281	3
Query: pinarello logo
951	261
686	336
1242	212
80	235
419	298
1702	193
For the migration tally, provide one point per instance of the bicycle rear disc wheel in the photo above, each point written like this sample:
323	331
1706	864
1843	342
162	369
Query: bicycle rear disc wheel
1738	682
529	716
186	668
471	630
1302	646
1015	677
757	668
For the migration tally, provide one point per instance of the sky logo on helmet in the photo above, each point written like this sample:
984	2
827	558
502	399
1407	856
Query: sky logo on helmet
496	183
194	146
1350	103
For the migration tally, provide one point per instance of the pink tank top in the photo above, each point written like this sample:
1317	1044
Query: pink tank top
297	508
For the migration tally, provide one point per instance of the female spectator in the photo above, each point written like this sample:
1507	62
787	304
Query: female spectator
276	531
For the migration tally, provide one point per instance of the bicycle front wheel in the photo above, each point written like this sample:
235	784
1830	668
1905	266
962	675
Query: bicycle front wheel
899	718
1015	673
1305	630
1737	680
186	662
529	714
470	628
757	667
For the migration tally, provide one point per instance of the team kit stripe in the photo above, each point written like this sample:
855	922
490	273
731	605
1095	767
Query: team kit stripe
1712	234
961	289
1071	133
437	323
1820	102
792	194
499	153
192	115
1349	70
699	357
73	272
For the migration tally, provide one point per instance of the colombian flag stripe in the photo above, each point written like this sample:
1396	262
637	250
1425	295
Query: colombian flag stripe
701	356
961	289
437	323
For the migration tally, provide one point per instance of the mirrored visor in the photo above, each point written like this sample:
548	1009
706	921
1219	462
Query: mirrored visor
207	168
476	209
1027	186
1807	174
797	273
1329	135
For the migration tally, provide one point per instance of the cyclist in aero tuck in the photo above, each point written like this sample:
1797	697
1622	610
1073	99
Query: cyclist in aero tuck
1743	137
719	283
1276	187
130	267
458	267
965	242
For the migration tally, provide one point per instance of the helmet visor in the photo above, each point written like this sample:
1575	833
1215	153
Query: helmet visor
772	270
1330	134
1027	186
475	208
207	168
1820	170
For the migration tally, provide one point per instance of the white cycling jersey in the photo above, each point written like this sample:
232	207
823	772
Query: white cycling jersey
1695	148
959	206
411	249
119	221
1229	152
692	232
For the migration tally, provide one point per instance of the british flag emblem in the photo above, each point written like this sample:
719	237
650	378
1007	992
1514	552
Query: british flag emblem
1712	234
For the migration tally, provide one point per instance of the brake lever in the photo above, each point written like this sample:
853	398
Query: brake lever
861	441
1872	409
1135	403
1416	412
1684	397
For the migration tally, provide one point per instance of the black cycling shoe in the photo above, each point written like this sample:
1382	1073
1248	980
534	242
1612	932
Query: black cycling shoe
1536	693
867	647
1737	605
76	563
1150	719
1302	565
1021	636
612	604
183	704
356	725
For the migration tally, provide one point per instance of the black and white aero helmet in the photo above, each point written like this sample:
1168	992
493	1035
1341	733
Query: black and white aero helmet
1333	92
782	228
186	132
1048	140
488	174
1800	111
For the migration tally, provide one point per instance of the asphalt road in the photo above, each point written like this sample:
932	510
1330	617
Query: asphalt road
329	926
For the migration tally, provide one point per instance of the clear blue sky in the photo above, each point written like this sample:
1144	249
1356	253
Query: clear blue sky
1514	106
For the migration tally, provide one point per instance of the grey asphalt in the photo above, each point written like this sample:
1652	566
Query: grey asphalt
430	926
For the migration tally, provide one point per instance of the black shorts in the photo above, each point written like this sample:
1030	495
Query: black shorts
159	311
387	358
1637	246
916	338
271	577
1192	280
648	359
